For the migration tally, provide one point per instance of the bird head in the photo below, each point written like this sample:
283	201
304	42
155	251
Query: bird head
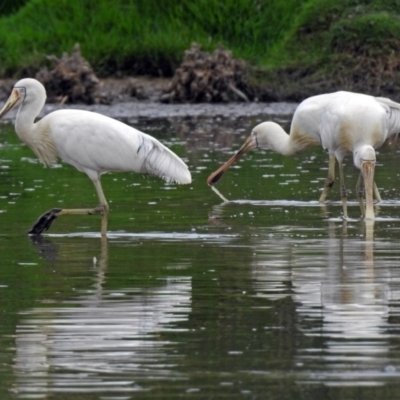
15	99
261	137
364	154
25	91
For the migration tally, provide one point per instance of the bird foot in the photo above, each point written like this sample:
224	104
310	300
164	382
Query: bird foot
44	222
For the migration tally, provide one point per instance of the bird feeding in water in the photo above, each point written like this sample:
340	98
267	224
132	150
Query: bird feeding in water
91	142
343	123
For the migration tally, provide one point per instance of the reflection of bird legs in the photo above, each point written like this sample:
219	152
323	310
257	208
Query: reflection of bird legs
101	266
368	228
45	220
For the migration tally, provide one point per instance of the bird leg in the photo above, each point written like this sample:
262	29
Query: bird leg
330	180
103	204
44	222
343	191
376	193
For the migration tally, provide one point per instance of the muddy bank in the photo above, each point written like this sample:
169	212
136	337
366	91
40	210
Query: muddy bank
130	111
205	83
138	98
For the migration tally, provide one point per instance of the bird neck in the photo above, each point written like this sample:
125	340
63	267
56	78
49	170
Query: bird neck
271	136
25	121
283	143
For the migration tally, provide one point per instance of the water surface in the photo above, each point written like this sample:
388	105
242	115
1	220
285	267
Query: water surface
269	295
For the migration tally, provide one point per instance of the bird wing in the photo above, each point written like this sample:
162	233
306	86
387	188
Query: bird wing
160	161
95	144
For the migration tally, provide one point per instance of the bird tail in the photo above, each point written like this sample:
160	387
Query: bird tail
394	114
388	102
162	162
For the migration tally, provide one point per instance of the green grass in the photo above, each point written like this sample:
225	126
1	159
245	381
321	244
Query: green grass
141	36
325	28
337	45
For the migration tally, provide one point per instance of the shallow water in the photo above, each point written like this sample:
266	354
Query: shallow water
269	295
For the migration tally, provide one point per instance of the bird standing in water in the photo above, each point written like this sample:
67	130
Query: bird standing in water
343	123
91	142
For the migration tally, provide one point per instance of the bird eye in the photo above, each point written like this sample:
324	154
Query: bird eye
22	93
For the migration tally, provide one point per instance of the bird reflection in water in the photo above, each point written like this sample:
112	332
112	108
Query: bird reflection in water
341	301
94	340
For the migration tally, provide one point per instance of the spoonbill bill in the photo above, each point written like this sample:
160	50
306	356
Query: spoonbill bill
91	142
343	123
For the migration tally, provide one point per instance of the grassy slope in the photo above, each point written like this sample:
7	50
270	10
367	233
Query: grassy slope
339	44
139	36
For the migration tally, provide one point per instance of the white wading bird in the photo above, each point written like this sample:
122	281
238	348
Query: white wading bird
91	142
342	122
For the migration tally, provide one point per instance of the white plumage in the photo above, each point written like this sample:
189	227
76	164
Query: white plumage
343	123
96	144
91	142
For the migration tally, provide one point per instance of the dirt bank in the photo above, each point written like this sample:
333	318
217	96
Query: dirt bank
135	98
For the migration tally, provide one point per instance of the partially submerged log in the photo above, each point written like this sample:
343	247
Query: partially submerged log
209	77
72	80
